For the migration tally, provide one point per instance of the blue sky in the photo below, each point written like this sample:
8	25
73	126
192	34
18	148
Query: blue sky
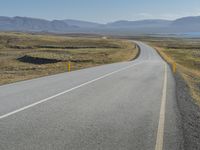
100	10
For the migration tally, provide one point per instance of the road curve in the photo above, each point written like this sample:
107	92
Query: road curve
121	106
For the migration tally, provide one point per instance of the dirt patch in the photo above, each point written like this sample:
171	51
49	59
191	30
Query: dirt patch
38	61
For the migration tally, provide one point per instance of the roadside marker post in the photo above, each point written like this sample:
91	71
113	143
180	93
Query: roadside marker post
69	66
174	67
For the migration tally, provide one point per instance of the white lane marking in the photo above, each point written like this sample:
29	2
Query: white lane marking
64	92
161	124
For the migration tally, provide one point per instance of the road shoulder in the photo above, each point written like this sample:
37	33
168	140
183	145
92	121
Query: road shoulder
190	114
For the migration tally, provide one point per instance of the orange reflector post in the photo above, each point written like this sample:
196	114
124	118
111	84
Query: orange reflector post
174	67
69	66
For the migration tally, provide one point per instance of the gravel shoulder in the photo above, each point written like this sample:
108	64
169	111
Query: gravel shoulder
190	114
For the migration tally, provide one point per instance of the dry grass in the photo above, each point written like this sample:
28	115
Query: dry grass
26	56
186	54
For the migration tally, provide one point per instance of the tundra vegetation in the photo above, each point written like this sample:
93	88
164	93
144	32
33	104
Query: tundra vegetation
25	56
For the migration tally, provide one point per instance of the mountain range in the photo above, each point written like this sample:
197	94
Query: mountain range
153	26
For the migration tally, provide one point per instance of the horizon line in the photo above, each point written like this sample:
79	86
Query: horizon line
97	21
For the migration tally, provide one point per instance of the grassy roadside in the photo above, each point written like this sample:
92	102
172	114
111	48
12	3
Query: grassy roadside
26	56
186	54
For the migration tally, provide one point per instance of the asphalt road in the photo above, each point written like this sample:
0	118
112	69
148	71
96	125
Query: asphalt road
121	106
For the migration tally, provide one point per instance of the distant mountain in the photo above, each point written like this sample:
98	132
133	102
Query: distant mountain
182	25
32	24
187	24
187	21
82	24
140	23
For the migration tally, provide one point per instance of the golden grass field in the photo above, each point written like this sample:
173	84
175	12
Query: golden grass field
186	54
25	56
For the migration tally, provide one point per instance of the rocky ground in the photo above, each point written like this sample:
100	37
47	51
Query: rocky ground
190	114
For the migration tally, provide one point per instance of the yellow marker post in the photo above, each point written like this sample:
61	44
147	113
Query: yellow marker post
69	66
174	67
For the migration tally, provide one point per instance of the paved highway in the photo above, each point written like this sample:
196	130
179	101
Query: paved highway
121	106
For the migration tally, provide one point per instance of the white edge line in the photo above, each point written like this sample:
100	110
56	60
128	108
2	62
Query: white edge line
64	92
161	124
